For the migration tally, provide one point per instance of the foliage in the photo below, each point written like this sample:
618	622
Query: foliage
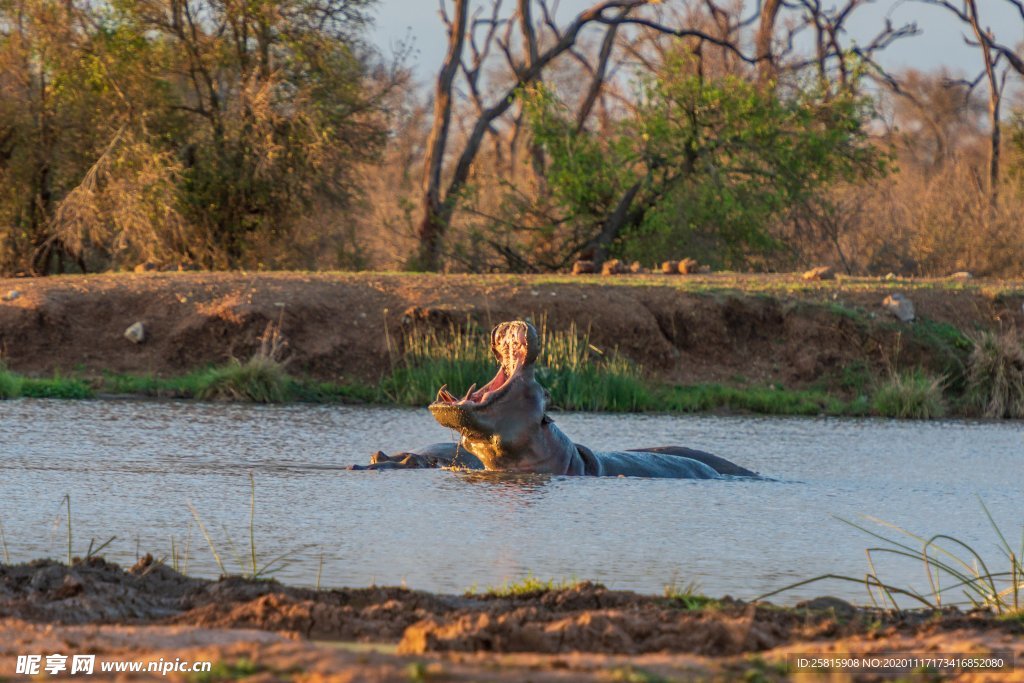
176	132
702	166
912	395
55	387
995	374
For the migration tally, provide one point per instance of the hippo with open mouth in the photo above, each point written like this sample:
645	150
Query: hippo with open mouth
505	427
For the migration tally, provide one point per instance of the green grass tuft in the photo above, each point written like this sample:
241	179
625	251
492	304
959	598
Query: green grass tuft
633	674
260	380
15	386
688	597
10	384
769	400
227	671
910	395
530	585
56	387
995	375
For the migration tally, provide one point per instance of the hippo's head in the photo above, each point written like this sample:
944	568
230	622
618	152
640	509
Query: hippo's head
510	407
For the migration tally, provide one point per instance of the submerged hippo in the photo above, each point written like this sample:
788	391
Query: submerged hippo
505	427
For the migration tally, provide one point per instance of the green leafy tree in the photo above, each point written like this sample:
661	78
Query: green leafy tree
177	130
700	167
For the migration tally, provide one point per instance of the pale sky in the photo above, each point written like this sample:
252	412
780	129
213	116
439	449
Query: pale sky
940	41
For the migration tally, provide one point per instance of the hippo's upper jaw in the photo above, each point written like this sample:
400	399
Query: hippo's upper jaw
481	411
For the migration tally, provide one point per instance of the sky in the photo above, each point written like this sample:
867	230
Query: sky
940	42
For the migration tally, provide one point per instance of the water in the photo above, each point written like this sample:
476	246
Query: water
133	468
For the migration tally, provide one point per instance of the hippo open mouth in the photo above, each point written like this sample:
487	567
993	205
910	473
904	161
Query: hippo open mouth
516	346
504	427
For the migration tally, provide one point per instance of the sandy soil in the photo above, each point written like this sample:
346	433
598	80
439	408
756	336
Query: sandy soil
680	328
261	630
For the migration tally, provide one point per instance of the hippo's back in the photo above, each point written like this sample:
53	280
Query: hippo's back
644	464
720	465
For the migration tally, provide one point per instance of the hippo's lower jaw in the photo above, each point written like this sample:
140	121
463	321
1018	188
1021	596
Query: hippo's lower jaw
504	427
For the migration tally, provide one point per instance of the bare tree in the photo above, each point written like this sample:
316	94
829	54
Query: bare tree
440	189
992	52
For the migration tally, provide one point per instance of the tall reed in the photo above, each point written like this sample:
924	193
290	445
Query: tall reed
578	374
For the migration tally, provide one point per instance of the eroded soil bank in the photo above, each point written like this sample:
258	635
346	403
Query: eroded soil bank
586	632
734	329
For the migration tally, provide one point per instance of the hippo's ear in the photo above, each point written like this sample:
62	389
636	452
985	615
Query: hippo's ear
532	343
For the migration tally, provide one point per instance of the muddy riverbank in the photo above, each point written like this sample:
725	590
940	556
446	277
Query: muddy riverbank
737	330
583	632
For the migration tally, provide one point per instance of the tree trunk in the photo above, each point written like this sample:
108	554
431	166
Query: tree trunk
994	98
438	208
434	222
763	43
614	224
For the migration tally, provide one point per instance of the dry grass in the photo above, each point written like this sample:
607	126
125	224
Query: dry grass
995	374
918	222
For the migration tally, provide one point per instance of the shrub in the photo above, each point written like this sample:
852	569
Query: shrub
995	374
261	379
911	395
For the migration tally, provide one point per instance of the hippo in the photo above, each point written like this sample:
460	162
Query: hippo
504	426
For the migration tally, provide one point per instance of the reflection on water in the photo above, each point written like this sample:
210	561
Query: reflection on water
131	469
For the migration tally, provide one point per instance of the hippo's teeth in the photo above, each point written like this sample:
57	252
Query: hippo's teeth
469	392
441	393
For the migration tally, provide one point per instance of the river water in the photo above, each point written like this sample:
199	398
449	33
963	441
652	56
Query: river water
132	469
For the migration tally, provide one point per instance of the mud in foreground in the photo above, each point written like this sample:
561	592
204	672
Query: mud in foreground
587	632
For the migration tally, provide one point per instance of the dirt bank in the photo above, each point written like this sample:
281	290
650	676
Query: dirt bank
578	633
727	328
